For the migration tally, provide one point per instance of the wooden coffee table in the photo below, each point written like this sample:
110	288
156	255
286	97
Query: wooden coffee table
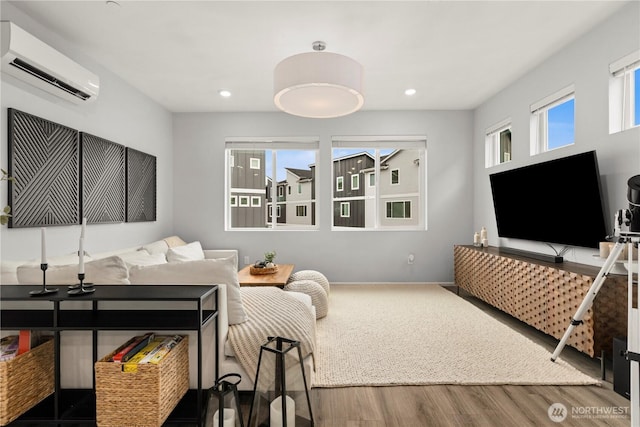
279	278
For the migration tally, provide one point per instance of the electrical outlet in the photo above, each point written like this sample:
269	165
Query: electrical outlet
410	259
246	260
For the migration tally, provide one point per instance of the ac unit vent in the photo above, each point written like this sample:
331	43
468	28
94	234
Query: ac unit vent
26	67
35	62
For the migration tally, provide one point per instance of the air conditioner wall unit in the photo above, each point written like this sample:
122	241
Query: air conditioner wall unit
35	62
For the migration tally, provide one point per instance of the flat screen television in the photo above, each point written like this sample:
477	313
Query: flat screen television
557	201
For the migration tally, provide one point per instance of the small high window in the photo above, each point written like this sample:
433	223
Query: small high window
345	210
624	93
498	144
553	121
339	183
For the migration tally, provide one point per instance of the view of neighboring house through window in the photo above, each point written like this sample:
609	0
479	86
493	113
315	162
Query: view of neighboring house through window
553	121
498	144
260	168
395	200
624	93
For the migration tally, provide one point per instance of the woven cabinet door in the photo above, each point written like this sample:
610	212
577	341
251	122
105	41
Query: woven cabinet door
565	293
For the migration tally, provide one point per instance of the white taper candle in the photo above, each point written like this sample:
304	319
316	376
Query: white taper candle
43	246
81	257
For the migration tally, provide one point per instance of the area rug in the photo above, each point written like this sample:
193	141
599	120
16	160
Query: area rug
424	334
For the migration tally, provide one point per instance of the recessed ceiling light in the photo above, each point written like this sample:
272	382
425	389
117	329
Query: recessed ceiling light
224	93
410	92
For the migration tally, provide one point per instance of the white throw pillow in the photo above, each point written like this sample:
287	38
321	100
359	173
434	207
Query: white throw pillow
106	271
190	252
143	257
157	247
206	272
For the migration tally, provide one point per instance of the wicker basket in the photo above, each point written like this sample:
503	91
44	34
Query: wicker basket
143	398
25	381
264	270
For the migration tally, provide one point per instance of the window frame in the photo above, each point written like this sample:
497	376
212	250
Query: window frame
622	86
271	146
493	150
340	183
255	204
246	203
303	208
539	119
348	210
397	173
389	203
357	181
417	143
254	163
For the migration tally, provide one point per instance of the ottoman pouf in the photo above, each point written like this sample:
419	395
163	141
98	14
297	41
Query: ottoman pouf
316	276
318	296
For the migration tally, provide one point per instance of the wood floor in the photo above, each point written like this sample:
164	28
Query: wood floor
461	405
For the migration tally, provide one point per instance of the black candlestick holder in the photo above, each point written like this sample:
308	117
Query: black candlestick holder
44	290
81	288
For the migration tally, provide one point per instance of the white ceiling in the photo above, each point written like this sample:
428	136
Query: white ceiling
456	54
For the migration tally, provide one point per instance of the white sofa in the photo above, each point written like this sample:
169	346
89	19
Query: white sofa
165	261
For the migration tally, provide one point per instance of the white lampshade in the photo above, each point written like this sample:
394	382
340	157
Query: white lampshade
318	85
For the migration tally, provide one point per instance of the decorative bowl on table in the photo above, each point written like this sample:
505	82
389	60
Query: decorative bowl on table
258	270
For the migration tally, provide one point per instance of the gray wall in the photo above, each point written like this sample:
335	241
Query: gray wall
585	63
120	114
344	256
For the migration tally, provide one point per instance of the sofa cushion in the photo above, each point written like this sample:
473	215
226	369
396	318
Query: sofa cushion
105	271
142	257
174	241
205	271
189	252
158	247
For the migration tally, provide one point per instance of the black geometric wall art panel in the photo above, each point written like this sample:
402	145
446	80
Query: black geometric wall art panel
141	186
44	160
103	180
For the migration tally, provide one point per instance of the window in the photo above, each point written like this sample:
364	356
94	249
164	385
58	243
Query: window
355	182
345	209
233	201
553	121
386	202
281	163
399	209
624	93
498	144
395	176
339	183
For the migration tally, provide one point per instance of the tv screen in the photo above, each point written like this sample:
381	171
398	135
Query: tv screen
557	201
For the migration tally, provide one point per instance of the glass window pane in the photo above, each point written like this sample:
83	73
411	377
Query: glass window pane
505	146
257	191
636	97
561	125
381	203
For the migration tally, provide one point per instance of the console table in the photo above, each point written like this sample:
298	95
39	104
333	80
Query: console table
546	295
78	406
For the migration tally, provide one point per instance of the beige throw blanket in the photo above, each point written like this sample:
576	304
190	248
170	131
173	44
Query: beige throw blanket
272	312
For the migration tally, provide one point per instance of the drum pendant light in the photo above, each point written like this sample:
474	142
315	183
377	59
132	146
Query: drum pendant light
318	84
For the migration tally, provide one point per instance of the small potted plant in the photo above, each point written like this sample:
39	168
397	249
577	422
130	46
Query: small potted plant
268	259
265	266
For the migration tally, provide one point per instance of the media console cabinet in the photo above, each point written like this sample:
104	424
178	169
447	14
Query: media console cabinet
546	295
78	406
